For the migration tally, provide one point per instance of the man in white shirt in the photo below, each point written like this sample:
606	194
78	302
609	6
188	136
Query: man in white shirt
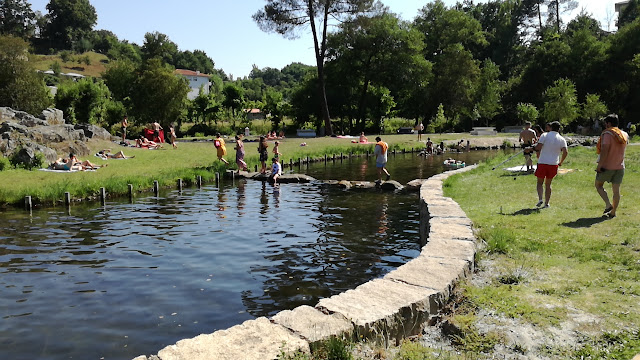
550	145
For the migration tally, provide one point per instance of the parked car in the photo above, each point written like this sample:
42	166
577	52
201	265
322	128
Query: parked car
405	130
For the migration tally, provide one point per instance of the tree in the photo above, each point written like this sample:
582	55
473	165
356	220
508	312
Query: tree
84	101
21	88
561	103
158	45
69	20
527	112
120	77
593	108
630	13
378	51
196	61
275	106
233	98
285	16
158	94
17	18
489	93
557	7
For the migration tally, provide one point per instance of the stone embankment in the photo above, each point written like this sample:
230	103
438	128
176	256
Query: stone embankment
386	309
48	134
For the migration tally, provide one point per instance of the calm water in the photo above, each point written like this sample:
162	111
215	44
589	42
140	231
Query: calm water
130	278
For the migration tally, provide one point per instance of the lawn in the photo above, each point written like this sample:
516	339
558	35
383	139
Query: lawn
551	265
95	68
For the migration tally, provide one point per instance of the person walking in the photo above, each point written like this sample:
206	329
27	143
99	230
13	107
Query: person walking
240	154
611	149
221	148
527	138
420	128
551	145
172	136
380	152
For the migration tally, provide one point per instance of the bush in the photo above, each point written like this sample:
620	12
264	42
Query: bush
4	164
65	55
36	163
204	129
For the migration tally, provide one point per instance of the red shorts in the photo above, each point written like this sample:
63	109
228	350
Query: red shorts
545	171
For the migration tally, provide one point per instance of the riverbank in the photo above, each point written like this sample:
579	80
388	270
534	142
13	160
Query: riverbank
188	162
556	283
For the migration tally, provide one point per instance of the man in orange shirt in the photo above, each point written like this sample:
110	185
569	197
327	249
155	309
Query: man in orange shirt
611	148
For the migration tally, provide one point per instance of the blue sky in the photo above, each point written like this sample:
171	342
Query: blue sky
225	31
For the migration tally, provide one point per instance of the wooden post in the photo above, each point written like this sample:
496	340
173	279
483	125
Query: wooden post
333	157
325	158
130	191
199	181
156	187
217	179
256	168
67	199
291	163
341	156
299	163
28	205
180	185
103	196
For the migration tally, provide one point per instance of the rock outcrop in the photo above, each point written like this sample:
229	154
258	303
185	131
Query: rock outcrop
25	135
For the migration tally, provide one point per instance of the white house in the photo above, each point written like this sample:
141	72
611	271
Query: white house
621	5
196	79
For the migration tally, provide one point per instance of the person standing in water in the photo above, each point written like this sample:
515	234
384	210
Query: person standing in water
380	152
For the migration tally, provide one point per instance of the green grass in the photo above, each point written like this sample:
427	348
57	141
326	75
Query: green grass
565	257
167	165
95	69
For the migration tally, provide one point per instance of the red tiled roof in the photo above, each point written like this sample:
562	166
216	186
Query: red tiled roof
185	72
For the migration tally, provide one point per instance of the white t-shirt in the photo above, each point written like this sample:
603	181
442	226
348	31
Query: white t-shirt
552	145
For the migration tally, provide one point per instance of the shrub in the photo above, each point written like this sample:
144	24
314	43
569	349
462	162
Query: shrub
36	163
65	55
4	164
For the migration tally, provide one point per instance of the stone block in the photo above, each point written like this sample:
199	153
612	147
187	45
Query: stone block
443	248
436	274
449	230
384	309
257	339
314	325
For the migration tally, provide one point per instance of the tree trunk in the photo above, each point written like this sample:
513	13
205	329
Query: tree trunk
540	17
320	55
557	16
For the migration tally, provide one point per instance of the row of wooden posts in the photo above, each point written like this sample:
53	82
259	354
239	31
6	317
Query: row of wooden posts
28	203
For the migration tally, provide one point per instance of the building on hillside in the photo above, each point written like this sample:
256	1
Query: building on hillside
254	114
621	5
196	79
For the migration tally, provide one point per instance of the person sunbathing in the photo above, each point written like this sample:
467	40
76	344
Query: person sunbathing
363	139
144	142
107	154
82	165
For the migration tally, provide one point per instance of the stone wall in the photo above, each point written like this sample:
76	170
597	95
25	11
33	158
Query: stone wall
398	305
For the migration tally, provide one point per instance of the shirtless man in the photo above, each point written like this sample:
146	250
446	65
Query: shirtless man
528	137
156	127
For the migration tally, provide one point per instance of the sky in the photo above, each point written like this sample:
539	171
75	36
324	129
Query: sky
225	30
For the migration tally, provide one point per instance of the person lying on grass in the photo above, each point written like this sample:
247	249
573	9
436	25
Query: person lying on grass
73	164
107	154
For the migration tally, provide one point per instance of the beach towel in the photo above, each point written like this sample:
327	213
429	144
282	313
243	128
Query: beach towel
618	134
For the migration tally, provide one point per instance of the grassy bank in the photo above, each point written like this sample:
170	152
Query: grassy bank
167	165
552	267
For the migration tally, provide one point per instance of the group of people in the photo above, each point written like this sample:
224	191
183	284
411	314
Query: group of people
263	145
154	138
73	164
551	149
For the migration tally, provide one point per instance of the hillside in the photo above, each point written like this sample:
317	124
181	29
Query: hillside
76	63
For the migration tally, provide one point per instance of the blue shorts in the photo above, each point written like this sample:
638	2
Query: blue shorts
380	165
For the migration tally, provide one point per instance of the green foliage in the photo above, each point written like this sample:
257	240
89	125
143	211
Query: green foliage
56	68
527	112
69	21
35	163
610	346
233	98
629	14
84	101
593	108
21	88
17	18
490	89
332	349
5	164
439	123
158	45
561	102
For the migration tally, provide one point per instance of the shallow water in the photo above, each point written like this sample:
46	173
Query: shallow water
130	278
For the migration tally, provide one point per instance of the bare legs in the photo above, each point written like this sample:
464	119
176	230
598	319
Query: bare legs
546	190
615	188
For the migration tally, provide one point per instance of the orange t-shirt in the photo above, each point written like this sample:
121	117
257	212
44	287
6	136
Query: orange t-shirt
615	156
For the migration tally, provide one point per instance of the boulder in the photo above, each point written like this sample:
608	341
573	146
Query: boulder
93	131
11	127
391	185
344	184
414	185
52	116
7	114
